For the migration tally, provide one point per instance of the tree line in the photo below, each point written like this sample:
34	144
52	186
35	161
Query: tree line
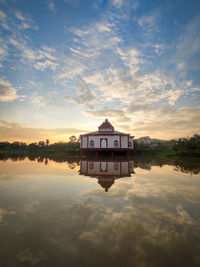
181	146
45	146
189	146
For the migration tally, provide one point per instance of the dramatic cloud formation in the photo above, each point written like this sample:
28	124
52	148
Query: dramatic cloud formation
123	63
15	131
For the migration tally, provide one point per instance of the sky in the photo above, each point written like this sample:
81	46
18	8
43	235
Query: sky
66	65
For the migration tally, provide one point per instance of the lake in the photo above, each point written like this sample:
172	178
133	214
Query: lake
99	212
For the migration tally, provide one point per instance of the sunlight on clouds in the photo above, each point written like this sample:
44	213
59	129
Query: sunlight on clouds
7	91
17	132
166	121
139	92
114	66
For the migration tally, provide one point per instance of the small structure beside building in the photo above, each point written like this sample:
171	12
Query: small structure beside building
106	139
145	140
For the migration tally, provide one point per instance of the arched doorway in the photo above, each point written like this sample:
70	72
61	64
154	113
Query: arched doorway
103	143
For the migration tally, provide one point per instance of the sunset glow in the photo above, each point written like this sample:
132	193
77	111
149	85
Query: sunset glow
67	65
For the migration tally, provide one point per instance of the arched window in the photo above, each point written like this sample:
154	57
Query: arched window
116	166
91	165
103	143
91	143
130	144
116	143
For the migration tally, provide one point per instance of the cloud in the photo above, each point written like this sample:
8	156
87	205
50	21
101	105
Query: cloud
133	89
41	58
2	15
83	94
50	99
3	52
25	21
146	21
158	121
117	3
121	87
188	47
3	20
96	38
51	6
128	4
135	93
20	16
46	64
7	91
131	58
15	36
118	115
101	73
15	131
168	121
149	25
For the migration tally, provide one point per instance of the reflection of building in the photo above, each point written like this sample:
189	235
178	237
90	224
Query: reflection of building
106	138
106	171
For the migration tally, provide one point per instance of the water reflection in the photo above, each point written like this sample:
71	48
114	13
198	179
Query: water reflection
185	165
107	171
50	215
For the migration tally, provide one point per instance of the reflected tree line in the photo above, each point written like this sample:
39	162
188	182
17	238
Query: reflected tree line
146	162
185	165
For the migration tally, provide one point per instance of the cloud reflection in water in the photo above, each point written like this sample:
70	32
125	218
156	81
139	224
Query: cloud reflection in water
150	218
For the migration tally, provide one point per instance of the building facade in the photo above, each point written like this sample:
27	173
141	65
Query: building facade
106	138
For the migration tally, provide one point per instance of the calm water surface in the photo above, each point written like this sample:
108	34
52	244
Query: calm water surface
102	212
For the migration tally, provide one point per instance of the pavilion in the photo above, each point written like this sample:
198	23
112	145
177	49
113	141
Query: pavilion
106	139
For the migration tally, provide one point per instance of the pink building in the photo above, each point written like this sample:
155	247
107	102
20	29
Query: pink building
106	139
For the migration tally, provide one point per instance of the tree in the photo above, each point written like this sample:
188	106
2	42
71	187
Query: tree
73	139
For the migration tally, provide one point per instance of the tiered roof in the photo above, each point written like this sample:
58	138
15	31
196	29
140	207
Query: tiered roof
106	128
106	183
106	125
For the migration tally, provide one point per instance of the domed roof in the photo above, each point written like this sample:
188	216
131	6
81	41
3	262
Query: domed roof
106	125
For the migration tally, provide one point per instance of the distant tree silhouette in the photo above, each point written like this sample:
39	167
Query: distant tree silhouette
73	139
